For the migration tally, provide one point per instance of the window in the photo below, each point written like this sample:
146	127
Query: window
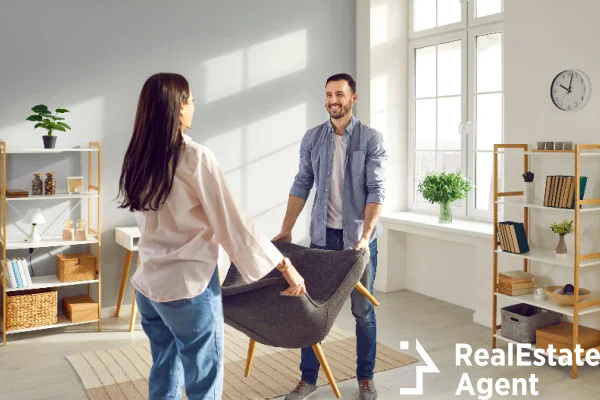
456	97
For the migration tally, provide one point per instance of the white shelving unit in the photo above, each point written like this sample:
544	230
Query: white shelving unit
57	196
50	281
574	261
92	194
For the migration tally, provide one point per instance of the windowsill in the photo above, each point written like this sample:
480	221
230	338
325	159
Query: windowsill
484	230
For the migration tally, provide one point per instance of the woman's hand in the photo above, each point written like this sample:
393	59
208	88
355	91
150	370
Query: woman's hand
293	278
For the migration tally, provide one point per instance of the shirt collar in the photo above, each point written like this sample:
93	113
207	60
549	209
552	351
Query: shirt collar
186	138
349	129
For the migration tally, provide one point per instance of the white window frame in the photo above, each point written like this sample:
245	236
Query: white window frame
413	46
467	31
437	30
488	19
473	212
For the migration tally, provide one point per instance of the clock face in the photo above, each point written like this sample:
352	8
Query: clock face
570	90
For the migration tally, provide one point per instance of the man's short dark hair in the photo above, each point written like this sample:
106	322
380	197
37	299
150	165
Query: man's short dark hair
343	77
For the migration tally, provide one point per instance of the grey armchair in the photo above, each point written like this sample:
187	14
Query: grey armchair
258	310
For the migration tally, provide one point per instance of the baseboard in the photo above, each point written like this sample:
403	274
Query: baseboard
483	319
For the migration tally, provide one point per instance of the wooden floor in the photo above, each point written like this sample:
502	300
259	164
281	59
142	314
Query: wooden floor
33	365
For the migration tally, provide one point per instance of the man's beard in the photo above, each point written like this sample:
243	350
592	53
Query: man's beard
344	110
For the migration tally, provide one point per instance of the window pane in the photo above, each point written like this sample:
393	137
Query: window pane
487	7
449	12
424	163
489	63
489	121
449	68
425	71
449	161
449	116
424	17
425	116
484	181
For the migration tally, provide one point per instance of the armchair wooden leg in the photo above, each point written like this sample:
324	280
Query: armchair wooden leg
365	292
128	257
250	357
321	357
133	305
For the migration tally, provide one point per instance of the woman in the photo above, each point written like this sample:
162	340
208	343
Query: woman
184	211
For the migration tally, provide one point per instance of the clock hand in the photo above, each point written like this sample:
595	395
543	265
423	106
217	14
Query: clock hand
570	83
563	87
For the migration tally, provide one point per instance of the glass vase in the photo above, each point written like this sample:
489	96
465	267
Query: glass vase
445	213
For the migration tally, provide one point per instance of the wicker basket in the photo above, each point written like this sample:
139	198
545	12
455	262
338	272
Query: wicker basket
564	300
76	267
31	309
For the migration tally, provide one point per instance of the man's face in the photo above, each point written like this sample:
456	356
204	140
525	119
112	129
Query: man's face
339	98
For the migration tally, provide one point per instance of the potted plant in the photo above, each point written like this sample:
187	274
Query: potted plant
444	188
49	122
562	229
529	187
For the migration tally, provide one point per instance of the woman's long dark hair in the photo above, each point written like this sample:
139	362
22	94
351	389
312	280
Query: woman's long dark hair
153	153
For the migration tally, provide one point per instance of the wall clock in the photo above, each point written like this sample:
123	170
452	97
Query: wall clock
570	90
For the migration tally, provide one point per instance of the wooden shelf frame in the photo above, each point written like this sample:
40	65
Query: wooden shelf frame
577	258
94	184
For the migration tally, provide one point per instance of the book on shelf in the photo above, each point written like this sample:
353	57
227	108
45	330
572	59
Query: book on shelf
18	273
516	286
515	283
560	191
512	237
16	193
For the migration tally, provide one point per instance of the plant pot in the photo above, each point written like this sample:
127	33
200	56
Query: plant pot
561	248
529	192
445	216
49	141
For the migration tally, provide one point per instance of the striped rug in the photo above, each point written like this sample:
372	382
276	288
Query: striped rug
122	373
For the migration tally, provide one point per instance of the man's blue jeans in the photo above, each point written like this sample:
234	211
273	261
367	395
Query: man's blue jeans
186	339
364	313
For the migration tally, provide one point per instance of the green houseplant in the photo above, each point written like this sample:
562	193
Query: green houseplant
46	120
444	188
562	229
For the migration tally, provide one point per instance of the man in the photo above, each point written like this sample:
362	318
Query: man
345	160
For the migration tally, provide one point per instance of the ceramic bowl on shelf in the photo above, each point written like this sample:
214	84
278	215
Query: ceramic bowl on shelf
555	293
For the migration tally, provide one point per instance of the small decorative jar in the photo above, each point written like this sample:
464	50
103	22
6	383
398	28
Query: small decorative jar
68	230
37	185
81	231
50	184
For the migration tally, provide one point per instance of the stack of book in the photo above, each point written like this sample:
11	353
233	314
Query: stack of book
512	237
515	283
18	275
560	191
16	193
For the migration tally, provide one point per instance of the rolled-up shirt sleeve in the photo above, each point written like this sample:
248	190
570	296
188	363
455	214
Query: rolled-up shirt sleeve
304	180
251	251
376	160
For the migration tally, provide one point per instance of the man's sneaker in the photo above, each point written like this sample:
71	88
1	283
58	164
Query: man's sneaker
367	389
303	390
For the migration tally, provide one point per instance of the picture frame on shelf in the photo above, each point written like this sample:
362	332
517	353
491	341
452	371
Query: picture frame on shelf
74	184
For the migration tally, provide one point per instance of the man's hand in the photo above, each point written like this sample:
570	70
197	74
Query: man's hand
363	243
283	237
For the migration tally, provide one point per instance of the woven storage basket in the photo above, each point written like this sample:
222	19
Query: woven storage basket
31	309
76	267
520	321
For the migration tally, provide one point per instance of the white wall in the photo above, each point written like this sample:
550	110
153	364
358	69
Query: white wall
543	38
257	69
